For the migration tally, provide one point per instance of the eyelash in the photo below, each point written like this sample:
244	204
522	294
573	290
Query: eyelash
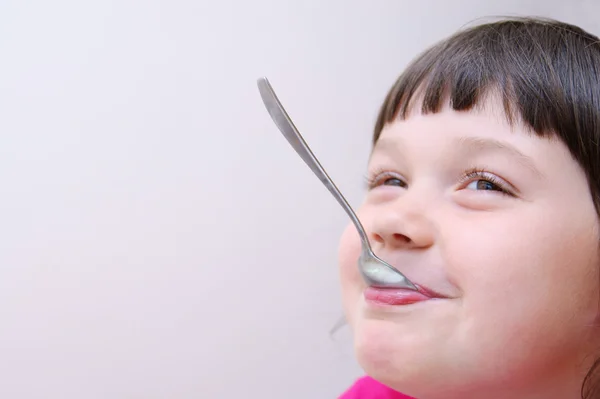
474	174
377	177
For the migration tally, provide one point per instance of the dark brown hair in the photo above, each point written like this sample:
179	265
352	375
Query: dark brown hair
547	74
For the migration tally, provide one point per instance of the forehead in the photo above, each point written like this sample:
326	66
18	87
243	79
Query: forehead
486	120
485	130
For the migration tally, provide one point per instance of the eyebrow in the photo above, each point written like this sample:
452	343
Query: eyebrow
382	145
492	145
473	144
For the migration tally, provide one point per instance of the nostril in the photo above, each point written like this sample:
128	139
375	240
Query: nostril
402	238
378	238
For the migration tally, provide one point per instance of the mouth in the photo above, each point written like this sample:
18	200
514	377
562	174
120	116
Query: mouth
398	296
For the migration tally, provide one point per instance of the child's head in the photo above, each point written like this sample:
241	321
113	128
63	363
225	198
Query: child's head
484	185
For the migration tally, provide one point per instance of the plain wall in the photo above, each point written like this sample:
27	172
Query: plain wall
158	236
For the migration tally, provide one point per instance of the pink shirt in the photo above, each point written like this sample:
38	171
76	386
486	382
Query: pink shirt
368	388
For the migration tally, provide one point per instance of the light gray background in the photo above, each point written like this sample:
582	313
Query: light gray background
158	237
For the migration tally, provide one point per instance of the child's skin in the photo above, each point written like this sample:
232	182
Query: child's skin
502	223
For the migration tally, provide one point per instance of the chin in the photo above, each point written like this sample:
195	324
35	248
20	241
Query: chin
402	360
411	363
384	353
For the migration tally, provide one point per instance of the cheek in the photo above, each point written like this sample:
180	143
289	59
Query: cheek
520	278
527	261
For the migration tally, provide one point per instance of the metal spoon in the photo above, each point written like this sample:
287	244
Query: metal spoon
374	271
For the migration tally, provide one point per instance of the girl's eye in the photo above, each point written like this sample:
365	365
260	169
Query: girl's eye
483	185
393	181
384	179
480	180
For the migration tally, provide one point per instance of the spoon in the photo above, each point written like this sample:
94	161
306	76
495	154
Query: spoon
375	272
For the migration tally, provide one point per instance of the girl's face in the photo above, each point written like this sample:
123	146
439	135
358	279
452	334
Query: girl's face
501	223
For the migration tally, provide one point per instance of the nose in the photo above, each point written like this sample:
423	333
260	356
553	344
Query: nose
398	228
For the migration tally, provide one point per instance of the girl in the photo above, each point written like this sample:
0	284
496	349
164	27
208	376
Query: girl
484	188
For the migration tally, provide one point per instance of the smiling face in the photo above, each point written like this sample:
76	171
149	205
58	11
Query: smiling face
499	221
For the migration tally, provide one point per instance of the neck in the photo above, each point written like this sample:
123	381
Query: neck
563	383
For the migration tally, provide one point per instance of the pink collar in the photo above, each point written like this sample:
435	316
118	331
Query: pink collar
368	388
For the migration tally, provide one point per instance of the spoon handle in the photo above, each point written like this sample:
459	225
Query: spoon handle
293	136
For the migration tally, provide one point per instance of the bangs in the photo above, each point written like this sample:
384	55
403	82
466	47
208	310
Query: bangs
545	72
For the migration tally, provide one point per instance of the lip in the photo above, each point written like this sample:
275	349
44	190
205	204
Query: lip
398	297
429	292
